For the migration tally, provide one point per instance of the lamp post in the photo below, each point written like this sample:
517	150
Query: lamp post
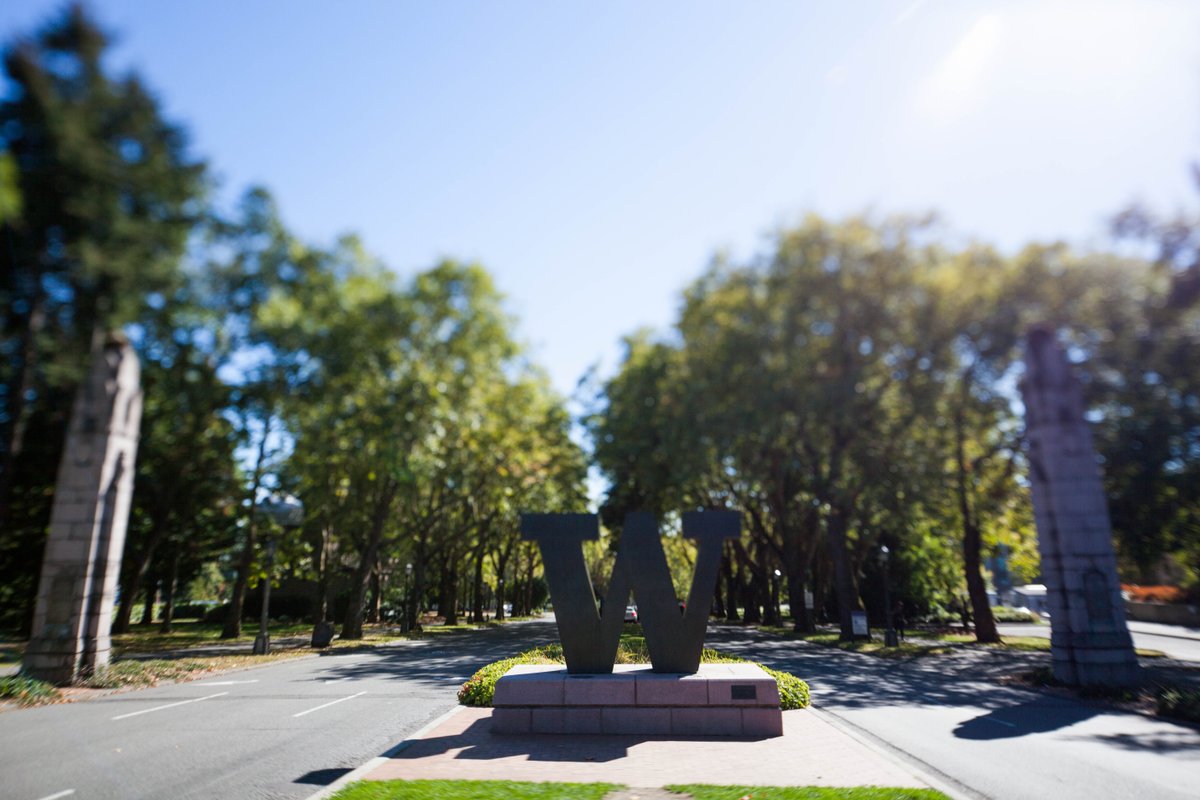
288	513
889	635
404	623
776	610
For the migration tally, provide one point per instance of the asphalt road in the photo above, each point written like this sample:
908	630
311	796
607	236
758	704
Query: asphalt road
284	730
984	739
278	731
1176	642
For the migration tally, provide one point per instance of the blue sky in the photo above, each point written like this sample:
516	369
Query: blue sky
594	156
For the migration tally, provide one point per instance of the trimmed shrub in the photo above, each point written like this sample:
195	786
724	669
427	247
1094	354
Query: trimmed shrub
480	688
1006	614
793	691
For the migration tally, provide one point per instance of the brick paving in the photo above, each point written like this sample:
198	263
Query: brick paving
812	752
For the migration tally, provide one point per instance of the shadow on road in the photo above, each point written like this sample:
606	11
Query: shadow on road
1022	720
440	659
852	681
477	742
1158	742
321	777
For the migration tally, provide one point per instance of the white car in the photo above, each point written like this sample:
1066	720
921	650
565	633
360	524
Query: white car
631	614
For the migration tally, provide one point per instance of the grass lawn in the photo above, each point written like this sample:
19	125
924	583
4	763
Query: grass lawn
701	792
932	645
193	633
190	633
517	790
927	643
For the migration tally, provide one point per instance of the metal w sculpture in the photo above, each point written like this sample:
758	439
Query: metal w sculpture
590	637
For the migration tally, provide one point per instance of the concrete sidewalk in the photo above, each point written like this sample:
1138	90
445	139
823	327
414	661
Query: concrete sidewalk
812	752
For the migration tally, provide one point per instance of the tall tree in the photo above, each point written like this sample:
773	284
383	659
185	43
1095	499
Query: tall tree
108	196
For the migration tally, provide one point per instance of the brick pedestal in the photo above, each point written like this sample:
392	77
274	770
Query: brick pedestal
738	700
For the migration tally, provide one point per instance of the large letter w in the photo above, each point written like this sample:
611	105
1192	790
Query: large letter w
590	638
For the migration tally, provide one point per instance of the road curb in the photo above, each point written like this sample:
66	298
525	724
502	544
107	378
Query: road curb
901	758
360	772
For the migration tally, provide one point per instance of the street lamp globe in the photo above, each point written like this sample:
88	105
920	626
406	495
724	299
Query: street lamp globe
287	512
285	509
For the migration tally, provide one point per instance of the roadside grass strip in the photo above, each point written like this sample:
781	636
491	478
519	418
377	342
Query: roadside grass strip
926	643
27	691
521	790
702	792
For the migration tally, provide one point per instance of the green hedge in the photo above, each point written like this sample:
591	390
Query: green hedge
1006	614
480	688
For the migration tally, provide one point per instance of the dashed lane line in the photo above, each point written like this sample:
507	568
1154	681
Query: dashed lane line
168	705
330	703
57	795
225	683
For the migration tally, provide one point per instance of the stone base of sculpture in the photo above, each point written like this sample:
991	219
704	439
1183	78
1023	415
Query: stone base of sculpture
728	700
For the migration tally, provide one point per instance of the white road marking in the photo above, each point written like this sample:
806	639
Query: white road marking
327	705
999	722
225	683
169	705
64	793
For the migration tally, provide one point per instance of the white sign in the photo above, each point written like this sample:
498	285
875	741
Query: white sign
858	623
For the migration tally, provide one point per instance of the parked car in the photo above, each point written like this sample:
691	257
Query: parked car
631	614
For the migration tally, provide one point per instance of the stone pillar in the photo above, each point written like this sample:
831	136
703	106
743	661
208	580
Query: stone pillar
1090	642
73	616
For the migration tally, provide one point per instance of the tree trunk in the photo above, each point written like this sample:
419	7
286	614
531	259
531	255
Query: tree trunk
527	604
376	590
448	592
501	568
981	610
133	584
416	587
233	619
352	628
477	589
168	611
766	597
731	598
151	596
321	600
842	582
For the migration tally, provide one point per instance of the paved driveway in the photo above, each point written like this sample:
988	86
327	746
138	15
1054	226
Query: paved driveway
989	740
278	731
